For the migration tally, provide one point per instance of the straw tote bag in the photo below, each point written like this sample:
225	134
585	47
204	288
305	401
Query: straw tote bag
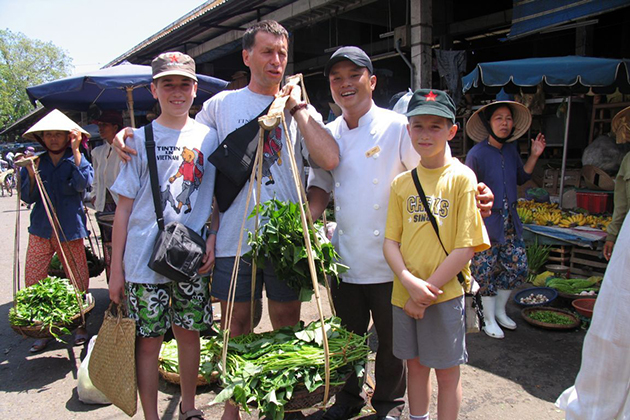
112	366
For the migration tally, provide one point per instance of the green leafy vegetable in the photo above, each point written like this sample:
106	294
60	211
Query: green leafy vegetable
574	286
264	370
537	256
280	240
551	317
50	303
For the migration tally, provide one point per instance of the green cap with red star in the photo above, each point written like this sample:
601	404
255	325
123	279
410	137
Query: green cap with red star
431	102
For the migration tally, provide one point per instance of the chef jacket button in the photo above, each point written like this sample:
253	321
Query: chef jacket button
375	181
337	184
376	233
337	208
341	231
376	207
376	155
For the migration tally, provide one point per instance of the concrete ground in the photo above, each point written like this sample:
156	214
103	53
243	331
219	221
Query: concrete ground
516	378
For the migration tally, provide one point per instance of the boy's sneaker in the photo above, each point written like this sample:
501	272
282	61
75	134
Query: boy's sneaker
342	412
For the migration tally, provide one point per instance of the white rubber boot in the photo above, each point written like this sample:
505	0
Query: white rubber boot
491	328
502	299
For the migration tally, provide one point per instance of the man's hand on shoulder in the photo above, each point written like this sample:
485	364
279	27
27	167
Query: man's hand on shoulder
485	199
120	147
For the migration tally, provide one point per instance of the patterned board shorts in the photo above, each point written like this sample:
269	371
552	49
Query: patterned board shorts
155	307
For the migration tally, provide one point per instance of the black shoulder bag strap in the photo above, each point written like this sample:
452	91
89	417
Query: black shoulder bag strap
234	160
149	143
427	209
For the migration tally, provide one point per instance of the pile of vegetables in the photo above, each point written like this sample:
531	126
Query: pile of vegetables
280	240
551	317
51	303
92	261
169	361
574	286
265	370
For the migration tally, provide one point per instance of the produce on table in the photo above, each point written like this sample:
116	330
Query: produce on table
541	279
551	317
534	299
265	370
574	286
537	256
547	214
51	302
280	240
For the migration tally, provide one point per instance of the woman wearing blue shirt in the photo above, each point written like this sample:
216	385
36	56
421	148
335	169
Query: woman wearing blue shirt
497	162
65	174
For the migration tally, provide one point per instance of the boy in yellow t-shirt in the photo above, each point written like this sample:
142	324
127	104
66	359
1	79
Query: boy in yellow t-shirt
428	300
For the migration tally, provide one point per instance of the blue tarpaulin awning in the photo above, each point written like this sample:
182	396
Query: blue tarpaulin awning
574	74
532	16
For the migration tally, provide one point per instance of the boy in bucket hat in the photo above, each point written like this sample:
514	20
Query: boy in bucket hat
156	302
413	251
65	174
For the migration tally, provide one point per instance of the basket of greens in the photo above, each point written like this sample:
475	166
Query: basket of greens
95	264
280	240
550	318
284	370
168	363
49	308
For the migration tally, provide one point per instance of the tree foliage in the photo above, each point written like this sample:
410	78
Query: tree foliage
26	62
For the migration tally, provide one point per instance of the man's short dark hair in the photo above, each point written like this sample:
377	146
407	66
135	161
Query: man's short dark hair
269	26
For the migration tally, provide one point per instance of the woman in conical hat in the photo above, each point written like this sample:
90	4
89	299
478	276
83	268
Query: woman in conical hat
65	174
497	163
621	128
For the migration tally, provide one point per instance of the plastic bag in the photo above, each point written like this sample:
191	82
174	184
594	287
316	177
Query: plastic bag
88	393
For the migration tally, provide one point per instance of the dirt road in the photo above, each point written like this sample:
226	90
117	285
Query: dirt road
517	378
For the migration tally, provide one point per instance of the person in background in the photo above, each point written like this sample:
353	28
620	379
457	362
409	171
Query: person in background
66	174
496	161
621	127
428	327
106	163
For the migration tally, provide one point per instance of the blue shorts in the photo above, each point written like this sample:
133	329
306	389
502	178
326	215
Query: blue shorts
276	289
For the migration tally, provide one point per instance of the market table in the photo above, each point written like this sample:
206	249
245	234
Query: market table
583	236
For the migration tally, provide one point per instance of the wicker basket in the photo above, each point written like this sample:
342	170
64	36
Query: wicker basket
37	330
302	399
173	378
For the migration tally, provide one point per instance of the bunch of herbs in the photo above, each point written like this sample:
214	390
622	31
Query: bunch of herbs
280	240
265	370
51	303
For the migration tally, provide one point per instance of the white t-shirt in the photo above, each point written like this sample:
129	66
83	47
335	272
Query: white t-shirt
372	155
229	110
186	180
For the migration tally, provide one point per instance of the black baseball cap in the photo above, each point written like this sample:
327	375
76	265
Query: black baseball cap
431	102
354	54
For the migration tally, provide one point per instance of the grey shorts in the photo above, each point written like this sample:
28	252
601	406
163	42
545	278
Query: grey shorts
275	288
438	340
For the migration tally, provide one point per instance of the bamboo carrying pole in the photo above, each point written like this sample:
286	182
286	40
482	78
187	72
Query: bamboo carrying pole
275	117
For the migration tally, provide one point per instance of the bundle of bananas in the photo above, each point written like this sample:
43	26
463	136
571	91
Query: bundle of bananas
525	214
573	220
547	217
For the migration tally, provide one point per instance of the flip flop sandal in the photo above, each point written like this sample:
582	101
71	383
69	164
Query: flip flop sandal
81	339
39	345
190	414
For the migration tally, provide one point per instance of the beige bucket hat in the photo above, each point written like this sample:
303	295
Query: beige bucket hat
621	125
476	129
54	121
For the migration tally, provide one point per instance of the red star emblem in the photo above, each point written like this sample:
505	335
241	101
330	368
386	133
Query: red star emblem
174	58
431	96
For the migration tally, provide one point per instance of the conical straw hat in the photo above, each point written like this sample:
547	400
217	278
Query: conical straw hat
476	130
54	121
621	125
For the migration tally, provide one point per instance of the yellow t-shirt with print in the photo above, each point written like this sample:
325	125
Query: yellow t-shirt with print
450	192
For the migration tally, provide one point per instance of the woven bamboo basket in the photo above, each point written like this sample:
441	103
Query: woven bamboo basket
38	330
173	378
302	399
96	268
